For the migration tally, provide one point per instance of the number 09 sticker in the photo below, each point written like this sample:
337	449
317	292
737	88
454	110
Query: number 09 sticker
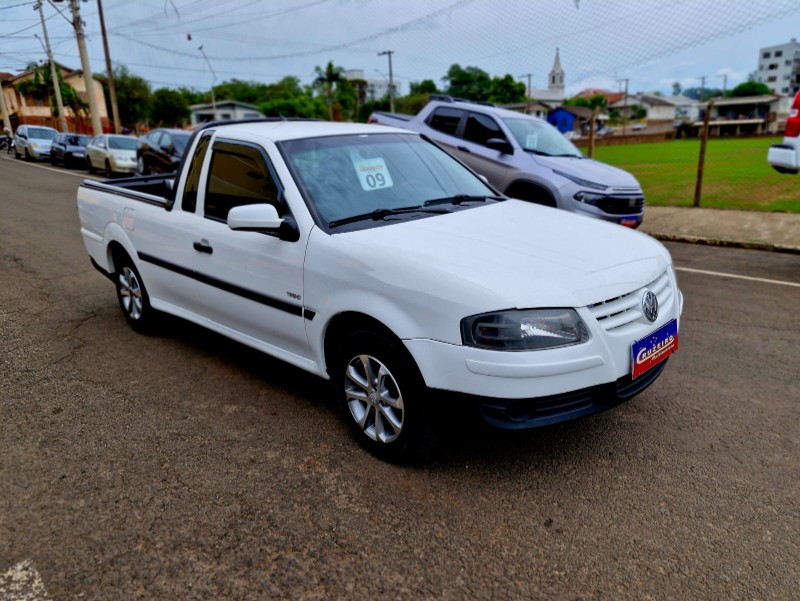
372	173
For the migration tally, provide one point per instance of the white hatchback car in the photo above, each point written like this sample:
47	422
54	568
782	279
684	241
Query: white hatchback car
33	142
112	154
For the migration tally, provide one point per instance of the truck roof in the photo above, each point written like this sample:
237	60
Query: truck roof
278	130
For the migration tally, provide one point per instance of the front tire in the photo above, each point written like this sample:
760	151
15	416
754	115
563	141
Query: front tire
141	167
382	396
89	165
133	298
109	172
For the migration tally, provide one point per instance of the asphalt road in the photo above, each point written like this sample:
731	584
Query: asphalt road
184	466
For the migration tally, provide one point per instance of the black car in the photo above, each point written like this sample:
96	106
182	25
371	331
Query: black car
69	149
161	150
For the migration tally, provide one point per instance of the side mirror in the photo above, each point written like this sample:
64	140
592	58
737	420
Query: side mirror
263	218
501	145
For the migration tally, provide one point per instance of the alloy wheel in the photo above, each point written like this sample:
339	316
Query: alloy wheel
374	398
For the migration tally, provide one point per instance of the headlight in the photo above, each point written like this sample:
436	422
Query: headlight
34	145
120	157
524	330
579	181
588	197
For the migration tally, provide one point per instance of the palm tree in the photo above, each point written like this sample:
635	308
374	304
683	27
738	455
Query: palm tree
327	79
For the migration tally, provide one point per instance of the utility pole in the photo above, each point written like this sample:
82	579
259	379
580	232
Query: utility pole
112	91
214	81
702	86
94	109
62	118
528	75
389	53
724	83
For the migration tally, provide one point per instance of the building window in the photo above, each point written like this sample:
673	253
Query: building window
778	53
766	55
788	63
785	90
771	78
772	66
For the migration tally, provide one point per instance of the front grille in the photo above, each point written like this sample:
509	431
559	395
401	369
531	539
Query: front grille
618	312
620	205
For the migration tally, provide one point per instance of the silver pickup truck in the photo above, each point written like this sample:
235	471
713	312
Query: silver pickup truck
526	158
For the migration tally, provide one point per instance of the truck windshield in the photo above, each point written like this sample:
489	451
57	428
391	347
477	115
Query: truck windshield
346	176
541	138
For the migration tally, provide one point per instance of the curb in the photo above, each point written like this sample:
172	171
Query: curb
780	248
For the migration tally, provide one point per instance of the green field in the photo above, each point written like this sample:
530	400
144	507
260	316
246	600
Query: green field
737	175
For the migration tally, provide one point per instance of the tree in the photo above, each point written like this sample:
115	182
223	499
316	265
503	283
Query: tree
426	86
328	80
506	90
750	88
250	92
471	83
287	98
192	96
133	97
676	88
169	108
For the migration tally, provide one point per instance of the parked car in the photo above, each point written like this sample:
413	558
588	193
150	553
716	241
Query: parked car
112	154
33	141
69	149
369	256
638	126
526	158
161	151
785	158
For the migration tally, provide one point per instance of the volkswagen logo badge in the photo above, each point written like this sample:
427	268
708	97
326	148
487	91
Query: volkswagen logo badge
650	306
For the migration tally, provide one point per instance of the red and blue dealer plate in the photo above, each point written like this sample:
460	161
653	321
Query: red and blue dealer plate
654	348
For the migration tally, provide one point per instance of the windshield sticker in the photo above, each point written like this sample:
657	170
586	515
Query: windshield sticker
530	140
372	173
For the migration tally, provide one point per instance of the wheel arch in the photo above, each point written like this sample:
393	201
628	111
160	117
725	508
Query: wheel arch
524	189
350	321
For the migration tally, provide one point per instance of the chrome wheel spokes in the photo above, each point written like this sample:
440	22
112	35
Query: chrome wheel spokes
374	398
130	293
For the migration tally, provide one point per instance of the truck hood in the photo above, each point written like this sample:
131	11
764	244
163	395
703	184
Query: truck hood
511	254
590	170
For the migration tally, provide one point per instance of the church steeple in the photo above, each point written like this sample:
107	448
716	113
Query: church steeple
556	82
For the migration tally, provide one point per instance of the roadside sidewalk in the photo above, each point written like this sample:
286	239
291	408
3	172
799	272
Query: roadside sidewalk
743	229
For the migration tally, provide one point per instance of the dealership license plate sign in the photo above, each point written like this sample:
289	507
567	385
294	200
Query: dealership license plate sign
654	348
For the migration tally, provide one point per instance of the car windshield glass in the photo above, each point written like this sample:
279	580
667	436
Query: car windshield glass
40	133
540	137
180	141
78	140
351	175
122	143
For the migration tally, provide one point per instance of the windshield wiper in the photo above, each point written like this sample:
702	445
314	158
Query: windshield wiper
547	154
460	198
379	214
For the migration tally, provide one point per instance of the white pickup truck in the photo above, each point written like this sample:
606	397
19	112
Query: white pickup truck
785	158
367	255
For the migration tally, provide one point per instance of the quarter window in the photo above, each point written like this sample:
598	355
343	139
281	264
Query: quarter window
189	202
238	176
446	120
481	128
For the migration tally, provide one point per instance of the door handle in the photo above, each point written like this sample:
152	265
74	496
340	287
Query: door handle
203	247
463	148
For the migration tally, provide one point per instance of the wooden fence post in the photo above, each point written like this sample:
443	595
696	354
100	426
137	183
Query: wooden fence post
701	163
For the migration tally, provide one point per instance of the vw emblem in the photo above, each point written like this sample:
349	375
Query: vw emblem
650	306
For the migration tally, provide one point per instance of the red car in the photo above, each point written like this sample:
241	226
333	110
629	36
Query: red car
785	158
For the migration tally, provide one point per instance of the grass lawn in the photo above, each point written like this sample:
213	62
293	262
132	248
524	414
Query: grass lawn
737	175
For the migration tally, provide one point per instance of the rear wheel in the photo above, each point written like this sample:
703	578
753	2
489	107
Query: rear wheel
382	396
132	296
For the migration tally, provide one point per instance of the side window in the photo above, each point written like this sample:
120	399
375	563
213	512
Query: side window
165	140
445	120
238	176
189	202
480	128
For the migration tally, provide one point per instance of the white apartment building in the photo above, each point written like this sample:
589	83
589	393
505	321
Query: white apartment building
779	68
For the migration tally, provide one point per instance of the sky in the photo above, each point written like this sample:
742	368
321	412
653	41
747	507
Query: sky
649	43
